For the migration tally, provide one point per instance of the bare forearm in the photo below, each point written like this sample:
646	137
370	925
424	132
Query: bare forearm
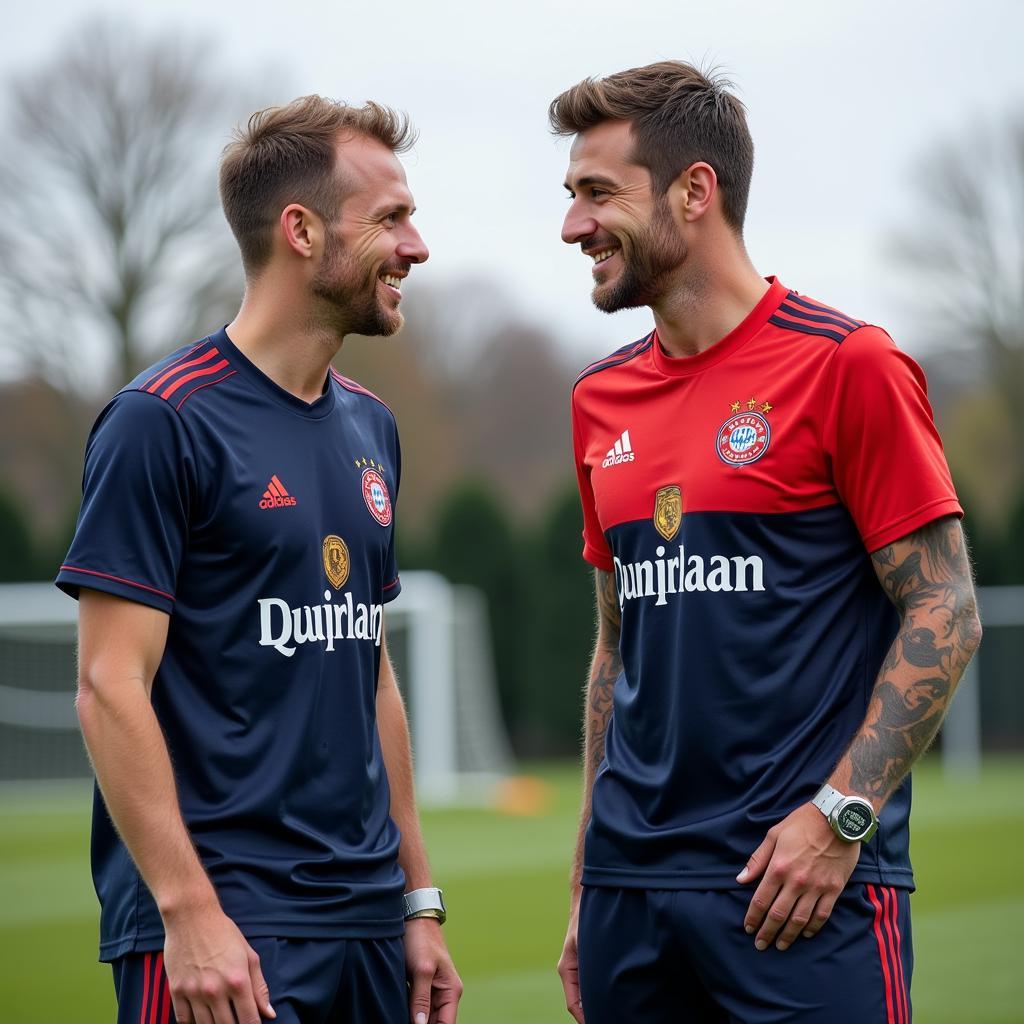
393	728
929	581
133	769
604	670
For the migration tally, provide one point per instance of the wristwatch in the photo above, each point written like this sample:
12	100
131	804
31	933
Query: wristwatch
852	818
425	903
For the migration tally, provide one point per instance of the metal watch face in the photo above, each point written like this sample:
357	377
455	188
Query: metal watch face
854	820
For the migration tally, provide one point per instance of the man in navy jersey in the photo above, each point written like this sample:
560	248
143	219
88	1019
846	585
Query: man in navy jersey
256	847
785	602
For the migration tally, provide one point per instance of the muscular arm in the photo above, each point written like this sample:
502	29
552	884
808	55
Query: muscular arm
210	967
928	578
435	987
803	867
597	711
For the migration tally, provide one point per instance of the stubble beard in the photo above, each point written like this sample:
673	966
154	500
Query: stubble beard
654	252
347	294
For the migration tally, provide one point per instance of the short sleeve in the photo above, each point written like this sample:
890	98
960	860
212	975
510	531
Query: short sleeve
391	585
138	489
595	547
886	456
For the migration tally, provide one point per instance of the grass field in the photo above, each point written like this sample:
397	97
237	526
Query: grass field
505	883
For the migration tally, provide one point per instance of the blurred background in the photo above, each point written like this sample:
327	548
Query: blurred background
889	182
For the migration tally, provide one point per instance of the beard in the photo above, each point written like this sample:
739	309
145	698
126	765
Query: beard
653	252
348	294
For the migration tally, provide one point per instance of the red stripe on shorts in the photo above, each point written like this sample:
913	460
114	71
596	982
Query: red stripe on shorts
145	987
890	1015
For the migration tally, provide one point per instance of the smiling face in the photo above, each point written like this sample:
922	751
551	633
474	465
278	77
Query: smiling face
616	220
370	248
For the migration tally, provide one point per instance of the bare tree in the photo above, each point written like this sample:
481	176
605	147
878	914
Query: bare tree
112	244
963	251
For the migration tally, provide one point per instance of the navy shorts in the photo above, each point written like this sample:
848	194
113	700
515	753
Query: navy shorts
655	956
311	981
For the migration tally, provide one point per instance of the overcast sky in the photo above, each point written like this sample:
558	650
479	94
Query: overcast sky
843	98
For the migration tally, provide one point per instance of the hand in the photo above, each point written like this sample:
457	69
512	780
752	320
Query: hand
805	866
569	965
213	974
434	985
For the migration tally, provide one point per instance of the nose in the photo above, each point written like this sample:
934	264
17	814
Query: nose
412	247
577	225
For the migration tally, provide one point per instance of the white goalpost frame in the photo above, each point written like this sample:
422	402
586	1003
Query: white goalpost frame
429	606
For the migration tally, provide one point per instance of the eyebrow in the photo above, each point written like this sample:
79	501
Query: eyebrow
383	208
591	179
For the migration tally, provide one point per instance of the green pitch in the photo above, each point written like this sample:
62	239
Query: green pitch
505	884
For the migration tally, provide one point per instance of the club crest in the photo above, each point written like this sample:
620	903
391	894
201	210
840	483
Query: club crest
668	511
336	561
375	494
745	436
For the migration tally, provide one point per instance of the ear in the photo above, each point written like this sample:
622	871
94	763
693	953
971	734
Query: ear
693	192
301	230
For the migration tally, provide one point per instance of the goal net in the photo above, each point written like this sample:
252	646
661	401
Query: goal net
437	635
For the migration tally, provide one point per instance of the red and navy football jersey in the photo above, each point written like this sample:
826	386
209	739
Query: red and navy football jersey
736	496
264	527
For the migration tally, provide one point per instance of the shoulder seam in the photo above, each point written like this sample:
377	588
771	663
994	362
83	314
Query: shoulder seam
355	388
177	415
829	385
617	358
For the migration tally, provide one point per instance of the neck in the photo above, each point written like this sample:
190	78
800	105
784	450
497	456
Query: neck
710	299
285	341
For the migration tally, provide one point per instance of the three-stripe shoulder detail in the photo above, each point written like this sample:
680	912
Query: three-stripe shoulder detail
799	314
618	357
200	367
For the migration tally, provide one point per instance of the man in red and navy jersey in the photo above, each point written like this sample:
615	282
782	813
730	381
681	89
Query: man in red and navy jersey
785	602
256	848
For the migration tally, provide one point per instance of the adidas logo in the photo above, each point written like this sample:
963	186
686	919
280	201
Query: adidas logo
276	495
621	451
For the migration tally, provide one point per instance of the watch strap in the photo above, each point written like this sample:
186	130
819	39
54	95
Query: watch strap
419	901
827	800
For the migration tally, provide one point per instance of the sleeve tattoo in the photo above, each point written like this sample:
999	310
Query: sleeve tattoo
927	576
605	669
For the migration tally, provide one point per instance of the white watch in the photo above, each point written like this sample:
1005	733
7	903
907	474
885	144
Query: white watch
425	903
852	818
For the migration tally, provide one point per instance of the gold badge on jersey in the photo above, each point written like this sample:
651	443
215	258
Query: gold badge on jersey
668	511
336	561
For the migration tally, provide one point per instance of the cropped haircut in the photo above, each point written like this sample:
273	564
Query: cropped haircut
679	115
287	155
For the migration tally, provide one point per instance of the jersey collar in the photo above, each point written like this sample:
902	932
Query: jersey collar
312	410
685	366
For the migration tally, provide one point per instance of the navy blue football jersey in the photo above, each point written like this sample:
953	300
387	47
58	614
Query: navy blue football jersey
264	527
736	496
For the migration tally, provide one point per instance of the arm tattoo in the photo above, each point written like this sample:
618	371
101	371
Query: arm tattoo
605	669
927	577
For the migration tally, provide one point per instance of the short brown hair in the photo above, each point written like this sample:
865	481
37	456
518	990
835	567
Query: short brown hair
679	115
287	155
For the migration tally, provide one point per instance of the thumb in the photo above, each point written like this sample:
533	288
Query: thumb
758	861
260	989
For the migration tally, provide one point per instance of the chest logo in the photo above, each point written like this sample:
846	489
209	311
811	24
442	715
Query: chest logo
668	511
620	452
336	561
744	437
375	494
276	495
